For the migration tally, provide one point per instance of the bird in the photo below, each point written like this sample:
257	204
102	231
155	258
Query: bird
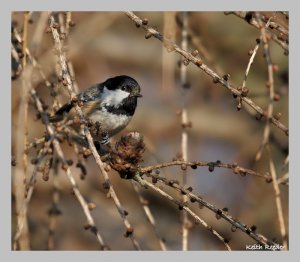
112	103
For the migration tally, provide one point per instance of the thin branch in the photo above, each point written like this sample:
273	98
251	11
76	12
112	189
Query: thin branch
274	25
188	210
198	62
254	23
221	213
193	164
35	143
266	135
80	198
149	216
24	38
278	200
184	125
25	108
251	60
19	183
54	211
283	180
33	61
22	213
70	177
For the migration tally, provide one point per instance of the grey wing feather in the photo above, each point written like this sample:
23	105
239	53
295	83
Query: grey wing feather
93	93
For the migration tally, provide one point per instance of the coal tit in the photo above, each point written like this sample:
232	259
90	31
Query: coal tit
111	103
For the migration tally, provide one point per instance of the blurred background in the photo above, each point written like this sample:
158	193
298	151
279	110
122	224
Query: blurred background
105	44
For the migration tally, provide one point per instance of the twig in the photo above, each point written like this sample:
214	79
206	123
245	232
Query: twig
72	180
283	180
54	211
24	38
33	61
219	212
189	211
266	135
275	26
22	214
80	198
251	60
64	22
277	200
193	164
66	76
256	25
184	125
21	141
25	108
35	143
198	62
149	216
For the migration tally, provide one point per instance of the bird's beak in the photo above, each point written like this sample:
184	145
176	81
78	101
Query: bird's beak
136	95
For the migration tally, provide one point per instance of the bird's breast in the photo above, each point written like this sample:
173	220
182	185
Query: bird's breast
110	122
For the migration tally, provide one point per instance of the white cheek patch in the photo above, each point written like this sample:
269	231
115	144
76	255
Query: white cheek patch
113	97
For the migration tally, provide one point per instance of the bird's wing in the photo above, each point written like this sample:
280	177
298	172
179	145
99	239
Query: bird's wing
87	109
89	104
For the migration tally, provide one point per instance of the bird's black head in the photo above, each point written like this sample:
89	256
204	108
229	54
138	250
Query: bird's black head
120	95
124	83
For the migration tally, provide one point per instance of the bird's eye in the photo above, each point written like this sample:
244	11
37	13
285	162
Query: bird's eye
125	88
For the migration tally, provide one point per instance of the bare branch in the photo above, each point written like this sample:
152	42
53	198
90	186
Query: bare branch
149	216
70	176
193	164
189	211
274	37
220	212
